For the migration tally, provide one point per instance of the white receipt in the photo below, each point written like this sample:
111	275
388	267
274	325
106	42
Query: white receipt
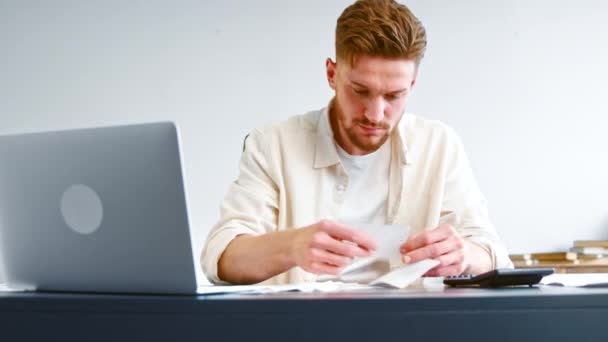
405	275
384	267
388	238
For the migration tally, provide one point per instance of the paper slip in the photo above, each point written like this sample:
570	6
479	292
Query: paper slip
406	274
364	270
384	267
388	238
576	279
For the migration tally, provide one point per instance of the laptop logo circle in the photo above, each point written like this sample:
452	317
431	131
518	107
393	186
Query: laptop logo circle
81	209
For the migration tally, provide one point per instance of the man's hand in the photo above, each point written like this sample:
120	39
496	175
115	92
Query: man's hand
327	247
455	254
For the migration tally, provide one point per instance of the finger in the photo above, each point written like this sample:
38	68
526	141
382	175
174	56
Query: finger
445	271
343	232
456	257
323	268
427	237
329	243
431	251
329	258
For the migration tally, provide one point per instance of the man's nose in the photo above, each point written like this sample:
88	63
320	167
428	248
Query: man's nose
375	110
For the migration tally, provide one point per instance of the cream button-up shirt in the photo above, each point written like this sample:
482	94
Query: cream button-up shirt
291	177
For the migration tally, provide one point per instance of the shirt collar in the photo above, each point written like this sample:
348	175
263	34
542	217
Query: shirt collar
401	141
326	153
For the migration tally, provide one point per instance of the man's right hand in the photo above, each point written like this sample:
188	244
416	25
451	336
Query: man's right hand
327	247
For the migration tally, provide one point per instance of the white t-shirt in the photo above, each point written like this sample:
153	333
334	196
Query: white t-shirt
365	198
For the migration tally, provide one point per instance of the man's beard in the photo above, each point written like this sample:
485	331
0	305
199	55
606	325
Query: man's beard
365	143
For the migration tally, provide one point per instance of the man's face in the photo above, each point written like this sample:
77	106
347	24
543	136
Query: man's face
370	99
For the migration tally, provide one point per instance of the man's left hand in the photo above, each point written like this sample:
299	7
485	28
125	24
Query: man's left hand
444	244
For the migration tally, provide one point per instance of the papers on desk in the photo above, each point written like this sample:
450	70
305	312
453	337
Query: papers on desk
576	279
5	288
398	278
328	286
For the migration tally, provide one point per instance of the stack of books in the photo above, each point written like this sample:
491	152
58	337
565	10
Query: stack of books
591	248
585	256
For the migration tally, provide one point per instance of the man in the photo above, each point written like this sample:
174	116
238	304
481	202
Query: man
361	159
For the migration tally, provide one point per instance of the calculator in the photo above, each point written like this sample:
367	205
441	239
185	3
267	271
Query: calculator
500	277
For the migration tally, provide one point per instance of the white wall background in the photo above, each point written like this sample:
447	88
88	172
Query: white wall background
523	82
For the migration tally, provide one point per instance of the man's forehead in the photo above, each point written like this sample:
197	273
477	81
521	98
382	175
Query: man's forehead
380	81
367	71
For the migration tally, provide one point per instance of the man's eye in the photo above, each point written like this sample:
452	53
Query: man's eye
393	97
361	92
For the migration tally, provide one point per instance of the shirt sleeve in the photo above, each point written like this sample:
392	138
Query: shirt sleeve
464	206
249	207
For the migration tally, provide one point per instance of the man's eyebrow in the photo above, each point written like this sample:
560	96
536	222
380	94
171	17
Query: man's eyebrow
399	91
390	92
358	84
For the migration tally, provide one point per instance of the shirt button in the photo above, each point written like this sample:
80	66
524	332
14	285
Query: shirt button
340	187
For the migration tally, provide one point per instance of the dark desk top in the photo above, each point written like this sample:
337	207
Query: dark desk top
506	314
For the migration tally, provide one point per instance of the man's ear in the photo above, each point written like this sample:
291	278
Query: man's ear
330	70
415	78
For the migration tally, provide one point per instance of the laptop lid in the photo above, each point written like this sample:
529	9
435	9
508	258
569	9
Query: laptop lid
95	210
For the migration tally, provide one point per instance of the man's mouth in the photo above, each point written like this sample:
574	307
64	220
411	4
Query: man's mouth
372	130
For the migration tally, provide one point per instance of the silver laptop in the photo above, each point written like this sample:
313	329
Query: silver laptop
95	210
